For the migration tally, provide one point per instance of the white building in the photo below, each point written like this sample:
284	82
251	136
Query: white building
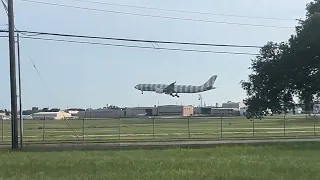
2	115
26	117
51	115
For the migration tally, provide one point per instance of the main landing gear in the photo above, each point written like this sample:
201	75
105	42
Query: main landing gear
175	95
141	92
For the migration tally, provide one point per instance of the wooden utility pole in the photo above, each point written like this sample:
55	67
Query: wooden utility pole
13	81
20	98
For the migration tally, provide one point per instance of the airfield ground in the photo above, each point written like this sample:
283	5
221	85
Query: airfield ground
162	129
281	161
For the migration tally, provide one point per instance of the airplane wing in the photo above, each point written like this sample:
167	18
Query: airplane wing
170	87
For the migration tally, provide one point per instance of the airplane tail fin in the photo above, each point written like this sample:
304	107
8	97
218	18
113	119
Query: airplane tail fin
210	82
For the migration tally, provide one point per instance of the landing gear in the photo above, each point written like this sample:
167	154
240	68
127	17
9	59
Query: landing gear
174	95
141	92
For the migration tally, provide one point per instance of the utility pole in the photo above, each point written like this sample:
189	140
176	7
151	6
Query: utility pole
14	109
20	99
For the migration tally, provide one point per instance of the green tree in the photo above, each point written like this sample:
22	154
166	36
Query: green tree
284	70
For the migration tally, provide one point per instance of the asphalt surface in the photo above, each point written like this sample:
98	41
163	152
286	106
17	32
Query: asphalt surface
152	145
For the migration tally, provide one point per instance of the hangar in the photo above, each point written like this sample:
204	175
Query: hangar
174	110
218	111
138	111
101	113
51	115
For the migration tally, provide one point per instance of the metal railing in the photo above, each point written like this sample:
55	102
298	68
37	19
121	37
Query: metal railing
155	128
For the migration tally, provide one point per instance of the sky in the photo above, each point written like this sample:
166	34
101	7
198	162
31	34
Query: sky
81	75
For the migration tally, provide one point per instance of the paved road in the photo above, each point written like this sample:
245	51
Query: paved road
152	145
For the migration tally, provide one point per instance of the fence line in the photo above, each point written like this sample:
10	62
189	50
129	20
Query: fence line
154	128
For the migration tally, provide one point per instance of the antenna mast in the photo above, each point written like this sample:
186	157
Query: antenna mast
200	98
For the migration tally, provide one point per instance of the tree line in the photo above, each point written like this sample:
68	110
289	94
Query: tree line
287	70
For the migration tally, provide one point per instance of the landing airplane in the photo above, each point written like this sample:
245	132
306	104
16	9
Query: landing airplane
173	89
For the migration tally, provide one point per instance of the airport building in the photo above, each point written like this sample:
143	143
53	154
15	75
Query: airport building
51	115
225	112
175	110
217	111
74	112
140	111
101	113
169	110
233	105
3	116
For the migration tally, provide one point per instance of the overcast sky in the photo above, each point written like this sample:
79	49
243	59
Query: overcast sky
80	75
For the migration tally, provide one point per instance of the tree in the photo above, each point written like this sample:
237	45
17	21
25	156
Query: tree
286	70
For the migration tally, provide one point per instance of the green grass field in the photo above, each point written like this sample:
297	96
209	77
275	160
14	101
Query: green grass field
147	129
289	161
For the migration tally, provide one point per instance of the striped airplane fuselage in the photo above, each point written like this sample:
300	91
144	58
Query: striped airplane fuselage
176	89
173	88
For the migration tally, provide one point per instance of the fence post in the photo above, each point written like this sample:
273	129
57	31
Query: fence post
44	128
221	127
153	127
2	133
119	128
284	125
82	129
253	127
189	127
314	126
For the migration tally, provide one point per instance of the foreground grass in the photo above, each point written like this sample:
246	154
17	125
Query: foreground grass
286	162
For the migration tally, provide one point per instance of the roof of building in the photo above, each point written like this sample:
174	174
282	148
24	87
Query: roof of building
174	105
48	113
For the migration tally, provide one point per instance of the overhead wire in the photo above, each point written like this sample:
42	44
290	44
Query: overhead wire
184	11
141	47
137	40
154	16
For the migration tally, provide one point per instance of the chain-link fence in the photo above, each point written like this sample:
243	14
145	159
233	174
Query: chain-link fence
156	128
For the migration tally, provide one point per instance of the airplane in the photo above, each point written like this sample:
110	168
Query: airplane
173	89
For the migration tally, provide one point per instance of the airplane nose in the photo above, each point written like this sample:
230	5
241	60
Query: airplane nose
136	87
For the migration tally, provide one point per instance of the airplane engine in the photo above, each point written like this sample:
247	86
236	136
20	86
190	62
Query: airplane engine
158	90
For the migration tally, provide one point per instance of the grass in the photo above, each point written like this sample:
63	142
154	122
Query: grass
290	161
162	129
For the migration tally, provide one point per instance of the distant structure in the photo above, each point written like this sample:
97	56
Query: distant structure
234	105
165	110
101	113
226	110
51	115
2	115
175	110
74	112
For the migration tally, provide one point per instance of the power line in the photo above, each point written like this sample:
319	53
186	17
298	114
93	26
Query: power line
136	40
155	16
140	47
184	11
